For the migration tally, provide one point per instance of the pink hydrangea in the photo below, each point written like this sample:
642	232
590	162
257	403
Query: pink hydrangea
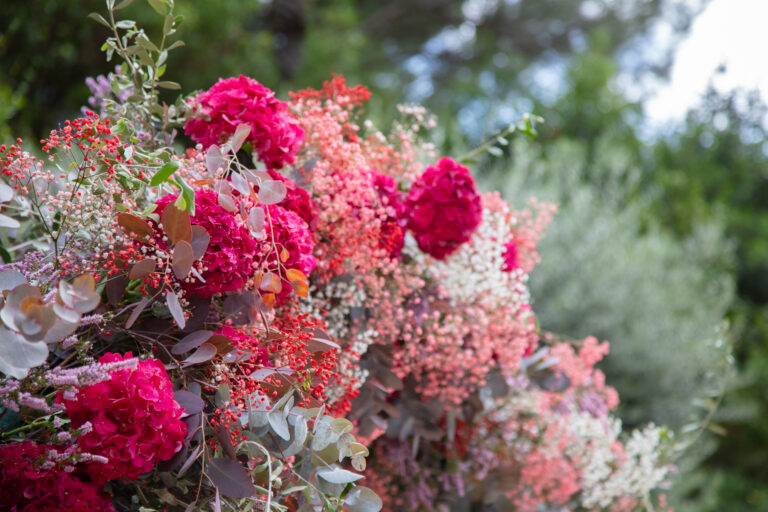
27	486
444	208
297	200
217	112
511	261
229	260
135	421
392	236
292	234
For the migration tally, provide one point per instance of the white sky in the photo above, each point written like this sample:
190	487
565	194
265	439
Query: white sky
730	32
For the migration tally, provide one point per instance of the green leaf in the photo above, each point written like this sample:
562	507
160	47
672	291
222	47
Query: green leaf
7	258
125	24
337	475
123	4
362	499
165	172
160	6
143	41
175	45
187	193
98	17
169	85
168	24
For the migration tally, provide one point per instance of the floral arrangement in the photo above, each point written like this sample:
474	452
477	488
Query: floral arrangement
293	304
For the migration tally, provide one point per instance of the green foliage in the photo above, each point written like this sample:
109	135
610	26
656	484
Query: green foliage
716	167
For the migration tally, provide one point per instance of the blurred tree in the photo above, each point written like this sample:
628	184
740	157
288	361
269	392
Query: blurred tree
717	166
466	57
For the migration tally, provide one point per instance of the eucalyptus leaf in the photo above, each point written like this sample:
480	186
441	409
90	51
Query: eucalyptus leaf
230	477
175	308
337	475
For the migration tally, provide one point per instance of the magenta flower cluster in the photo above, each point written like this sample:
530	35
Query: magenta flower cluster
134	420
30	483
217	112
229	259
444	208
297	200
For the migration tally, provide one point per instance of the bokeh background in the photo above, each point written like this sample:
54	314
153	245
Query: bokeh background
654	146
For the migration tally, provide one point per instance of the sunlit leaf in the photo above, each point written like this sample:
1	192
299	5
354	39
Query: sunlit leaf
142	269
272	192
165	172
241	133
134	226
176	224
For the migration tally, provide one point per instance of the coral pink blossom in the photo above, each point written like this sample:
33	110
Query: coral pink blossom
444	208
292	234
228	262
392	227
217	112
134	419
25	486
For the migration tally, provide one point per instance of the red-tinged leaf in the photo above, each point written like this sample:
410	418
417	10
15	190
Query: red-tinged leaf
241	133
190	402
115	288
204	352
270	282
240	184
200	241
268	299
272	191
175	308
214	160
142	269
321	342
222	343
230	477
183	257
176	224
200	183
227	203
256	221
284	255
300	288
191	341
190	460
256	176
134	226
293	274
136	312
